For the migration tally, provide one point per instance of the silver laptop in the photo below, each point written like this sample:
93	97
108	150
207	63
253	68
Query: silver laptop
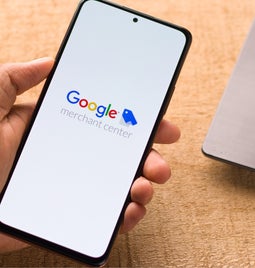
231	136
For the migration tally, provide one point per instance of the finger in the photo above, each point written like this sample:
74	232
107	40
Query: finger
133	214
8	244
15	78
156	168
23	76
167	133
142	191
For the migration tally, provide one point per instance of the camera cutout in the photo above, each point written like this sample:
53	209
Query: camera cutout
135	20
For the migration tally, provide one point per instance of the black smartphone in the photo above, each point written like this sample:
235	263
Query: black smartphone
92	129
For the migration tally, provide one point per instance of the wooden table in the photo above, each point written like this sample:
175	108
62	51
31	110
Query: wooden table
204	216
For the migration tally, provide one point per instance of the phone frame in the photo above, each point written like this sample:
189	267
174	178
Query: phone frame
50	245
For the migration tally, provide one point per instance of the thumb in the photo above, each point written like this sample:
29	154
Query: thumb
15	78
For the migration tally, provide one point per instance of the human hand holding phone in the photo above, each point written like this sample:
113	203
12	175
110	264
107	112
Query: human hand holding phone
85	151
19	77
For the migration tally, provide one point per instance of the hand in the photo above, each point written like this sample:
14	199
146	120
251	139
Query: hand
18	77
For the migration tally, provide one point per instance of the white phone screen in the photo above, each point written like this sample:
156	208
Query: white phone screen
82	153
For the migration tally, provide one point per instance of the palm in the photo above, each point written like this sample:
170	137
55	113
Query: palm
12	127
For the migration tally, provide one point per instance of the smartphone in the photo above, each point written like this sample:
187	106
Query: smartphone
92	129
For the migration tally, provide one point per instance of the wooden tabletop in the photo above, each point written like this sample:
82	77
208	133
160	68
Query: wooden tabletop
205	215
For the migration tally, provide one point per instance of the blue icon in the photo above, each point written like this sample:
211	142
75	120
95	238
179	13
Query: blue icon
129	117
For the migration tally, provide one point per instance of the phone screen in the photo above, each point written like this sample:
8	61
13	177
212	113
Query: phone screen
99	107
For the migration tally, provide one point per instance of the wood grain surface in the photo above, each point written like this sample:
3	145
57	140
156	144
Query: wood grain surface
205	215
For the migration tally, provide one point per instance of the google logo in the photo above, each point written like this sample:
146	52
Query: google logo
73	97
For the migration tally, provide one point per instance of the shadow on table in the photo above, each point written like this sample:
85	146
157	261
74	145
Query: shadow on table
235	176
